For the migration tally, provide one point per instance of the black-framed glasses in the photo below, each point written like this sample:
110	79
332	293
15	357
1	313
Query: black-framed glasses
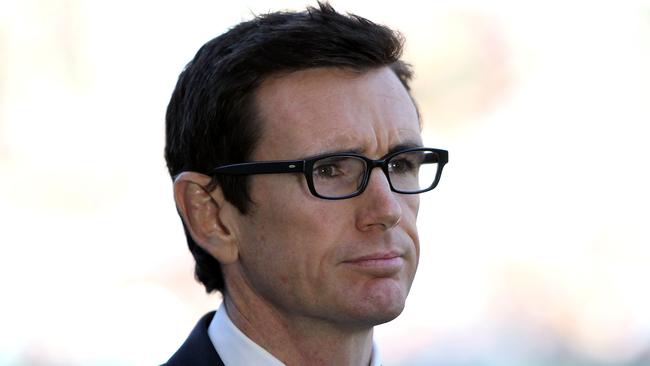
345	175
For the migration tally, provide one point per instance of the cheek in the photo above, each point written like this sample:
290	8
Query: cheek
292	225
290	255
410	207
287	203
412	203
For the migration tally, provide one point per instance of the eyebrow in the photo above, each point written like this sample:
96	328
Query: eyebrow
404	146
359	151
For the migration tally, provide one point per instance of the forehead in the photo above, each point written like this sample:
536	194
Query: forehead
319	110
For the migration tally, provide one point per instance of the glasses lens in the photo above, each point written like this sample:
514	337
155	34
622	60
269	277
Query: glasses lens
338	176
413	171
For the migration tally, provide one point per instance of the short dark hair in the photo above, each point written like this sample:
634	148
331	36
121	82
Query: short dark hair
212	119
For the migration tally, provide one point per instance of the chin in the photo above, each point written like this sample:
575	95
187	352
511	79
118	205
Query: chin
369	316
381	307
388	315
375	302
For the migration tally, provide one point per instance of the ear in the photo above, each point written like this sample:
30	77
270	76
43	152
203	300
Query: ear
207	215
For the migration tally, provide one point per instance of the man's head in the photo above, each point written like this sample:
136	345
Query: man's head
214	116
274	132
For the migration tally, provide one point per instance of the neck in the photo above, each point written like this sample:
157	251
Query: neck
297	340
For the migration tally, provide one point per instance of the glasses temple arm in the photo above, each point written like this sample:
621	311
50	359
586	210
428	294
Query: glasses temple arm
265	167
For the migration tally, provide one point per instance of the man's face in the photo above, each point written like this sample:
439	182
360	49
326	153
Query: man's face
349	262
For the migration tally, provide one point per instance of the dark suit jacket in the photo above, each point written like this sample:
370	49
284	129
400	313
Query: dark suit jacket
198	349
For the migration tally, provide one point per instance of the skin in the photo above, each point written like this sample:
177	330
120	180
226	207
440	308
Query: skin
307	278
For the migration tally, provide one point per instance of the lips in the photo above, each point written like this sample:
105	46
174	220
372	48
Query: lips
381	263
376	257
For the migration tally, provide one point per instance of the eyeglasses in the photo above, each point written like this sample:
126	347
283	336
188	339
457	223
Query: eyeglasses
345	175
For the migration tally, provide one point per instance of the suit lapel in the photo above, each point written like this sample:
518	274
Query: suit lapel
197	350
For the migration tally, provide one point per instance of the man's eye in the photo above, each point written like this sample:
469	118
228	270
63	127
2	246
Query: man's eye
327	171
401	166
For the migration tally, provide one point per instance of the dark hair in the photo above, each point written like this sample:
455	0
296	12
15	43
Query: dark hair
211	118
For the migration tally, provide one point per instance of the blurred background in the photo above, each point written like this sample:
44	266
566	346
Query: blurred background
535	245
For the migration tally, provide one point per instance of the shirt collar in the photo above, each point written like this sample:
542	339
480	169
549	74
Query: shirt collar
235	348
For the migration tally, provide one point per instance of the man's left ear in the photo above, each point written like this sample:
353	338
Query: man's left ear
207	216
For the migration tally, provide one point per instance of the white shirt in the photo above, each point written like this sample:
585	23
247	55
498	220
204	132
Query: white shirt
236	349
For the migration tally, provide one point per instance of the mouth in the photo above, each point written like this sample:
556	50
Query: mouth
379	264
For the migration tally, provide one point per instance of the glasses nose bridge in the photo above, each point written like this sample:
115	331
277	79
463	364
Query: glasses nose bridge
371	165
379	163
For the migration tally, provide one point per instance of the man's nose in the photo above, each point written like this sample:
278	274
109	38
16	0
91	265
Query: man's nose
380	207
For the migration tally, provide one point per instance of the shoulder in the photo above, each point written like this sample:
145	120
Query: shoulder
197	349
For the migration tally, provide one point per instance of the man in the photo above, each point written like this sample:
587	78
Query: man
273	133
